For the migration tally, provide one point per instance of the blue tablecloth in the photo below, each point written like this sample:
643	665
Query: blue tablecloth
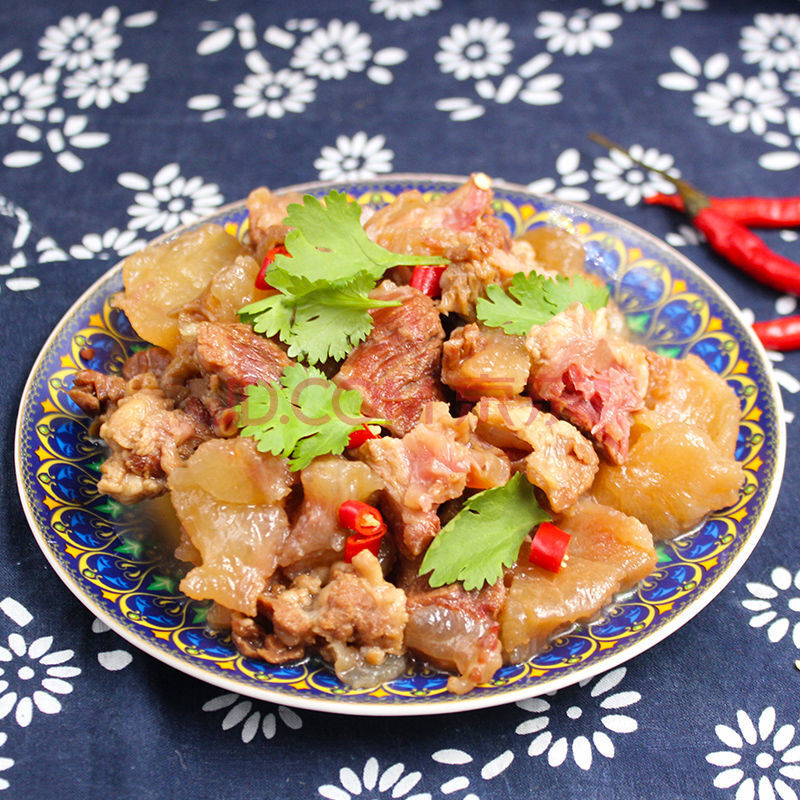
119	122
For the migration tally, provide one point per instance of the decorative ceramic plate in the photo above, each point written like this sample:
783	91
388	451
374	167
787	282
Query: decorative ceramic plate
112	560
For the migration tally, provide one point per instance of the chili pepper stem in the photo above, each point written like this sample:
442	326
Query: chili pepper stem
694	200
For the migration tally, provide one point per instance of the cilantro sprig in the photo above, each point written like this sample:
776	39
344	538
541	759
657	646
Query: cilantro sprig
302	417
322	308
484	536
533	299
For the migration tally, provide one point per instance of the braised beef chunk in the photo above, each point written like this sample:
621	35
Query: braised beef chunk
148	437
152	359
589	376
238	356
396	368
559	459
433	463
94	392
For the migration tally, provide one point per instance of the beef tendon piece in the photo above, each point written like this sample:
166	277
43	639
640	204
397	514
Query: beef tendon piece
161	279
559	460
396	368
453	629
433	463
589	375
484	362
608	553
232	287
686	390
674	476
229	500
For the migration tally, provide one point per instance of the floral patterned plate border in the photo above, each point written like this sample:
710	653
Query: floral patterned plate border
114	562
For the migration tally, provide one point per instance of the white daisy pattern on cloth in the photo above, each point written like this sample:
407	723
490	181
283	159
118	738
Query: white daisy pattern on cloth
788	154
475	50
60	134
619	178
78	42
23	98
569	185
240	710
404	9
112	660
5	762
743	103
772	42
392	782
530	84
354	158
106	83
110	245
577	34
267	93
32	675
333	52
670	9
776	605
169	199
459	758
760	759
600	706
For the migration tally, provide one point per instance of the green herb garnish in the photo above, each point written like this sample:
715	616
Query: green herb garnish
484	536
533	299
322	309
302	417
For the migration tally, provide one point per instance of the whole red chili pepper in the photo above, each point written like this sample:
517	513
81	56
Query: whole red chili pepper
261	278
426	278
727	236
782	333
760	212
742	248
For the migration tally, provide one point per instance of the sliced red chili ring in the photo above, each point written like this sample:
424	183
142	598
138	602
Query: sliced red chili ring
361	435
358	542
549	547
361	518
261	279
426	278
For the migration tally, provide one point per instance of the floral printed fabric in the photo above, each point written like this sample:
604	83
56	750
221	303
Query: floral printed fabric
123	120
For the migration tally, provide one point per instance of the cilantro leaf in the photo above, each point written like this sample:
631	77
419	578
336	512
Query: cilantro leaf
327	241
533	299
484	536
327	322
302	417
324	282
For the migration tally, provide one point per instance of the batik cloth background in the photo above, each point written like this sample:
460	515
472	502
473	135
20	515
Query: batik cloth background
120	122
